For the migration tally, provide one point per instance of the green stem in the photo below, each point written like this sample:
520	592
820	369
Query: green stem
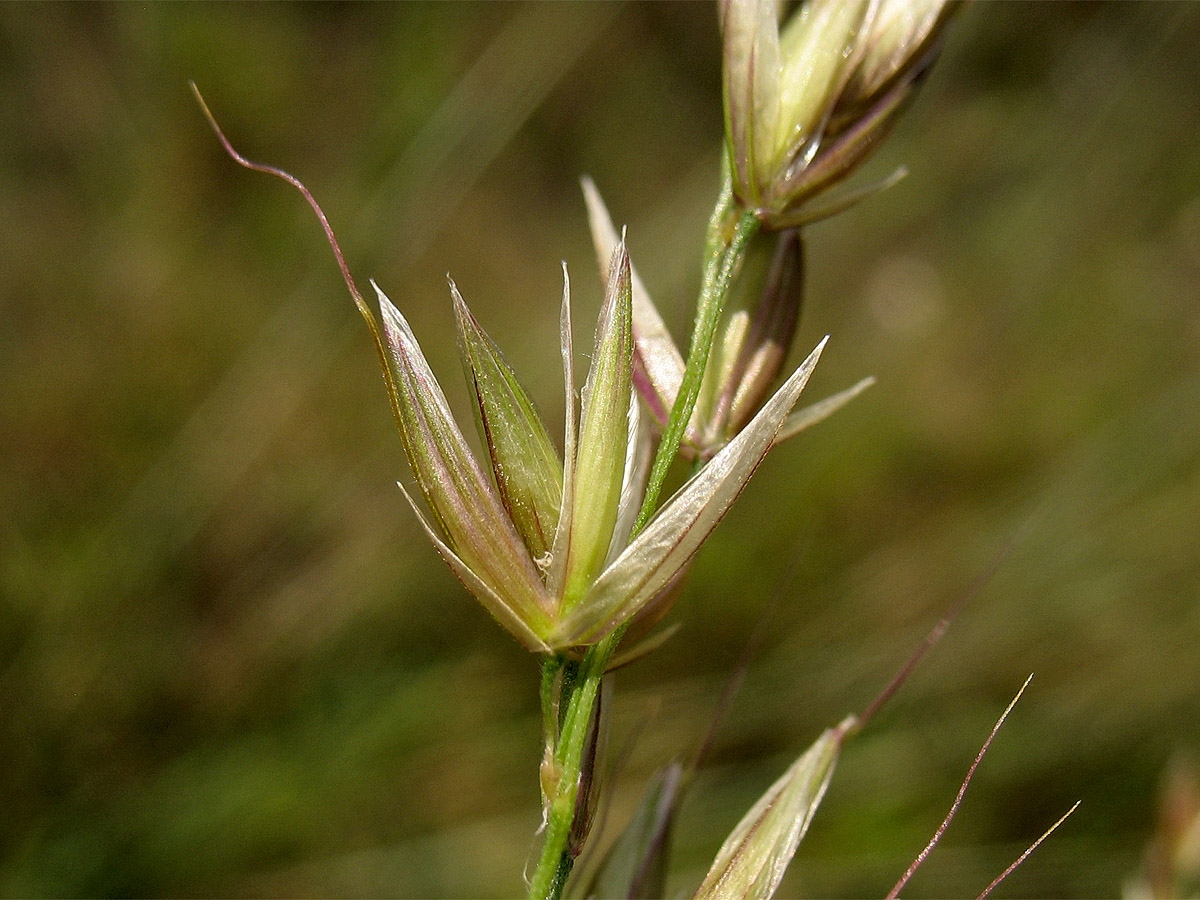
730	231
558	857
551	666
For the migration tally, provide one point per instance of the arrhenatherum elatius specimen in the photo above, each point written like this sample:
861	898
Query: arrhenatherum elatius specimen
545	542
569	545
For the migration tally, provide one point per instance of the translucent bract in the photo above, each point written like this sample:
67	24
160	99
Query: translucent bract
805	106
544	542
750	351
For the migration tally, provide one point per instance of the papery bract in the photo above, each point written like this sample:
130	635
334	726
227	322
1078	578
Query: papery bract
548	550
806	105
755	856
746	360
527	470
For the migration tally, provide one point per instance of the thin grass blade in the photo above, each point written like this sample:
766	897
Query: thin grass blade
636	865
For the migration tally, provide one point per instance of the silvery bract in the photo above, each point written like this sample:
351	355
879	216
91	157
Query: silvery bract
805	106
546	545
755	856
748	355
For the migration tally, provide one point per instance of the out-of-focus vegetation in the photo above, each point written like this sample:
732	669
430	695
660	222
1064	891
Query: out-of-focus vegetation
230	664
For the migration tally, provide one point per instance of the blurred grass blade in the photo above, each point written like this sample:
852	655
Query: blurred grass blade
751	862
636	866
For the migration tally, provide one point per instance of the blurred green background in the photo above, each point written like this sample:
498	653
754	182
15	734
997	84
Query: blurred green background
230	663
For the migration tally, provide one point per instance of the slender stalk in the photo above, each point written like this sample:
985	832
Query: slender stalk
551	666
962	791
730	231
578	702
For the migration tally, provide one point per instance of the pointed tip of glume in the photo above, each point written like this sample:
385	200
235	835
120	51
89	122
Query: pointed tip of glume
383	298
462	312
394	323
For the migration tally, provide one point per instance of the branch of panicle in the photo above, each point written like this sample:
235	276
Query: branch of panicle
1028	850
941	830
